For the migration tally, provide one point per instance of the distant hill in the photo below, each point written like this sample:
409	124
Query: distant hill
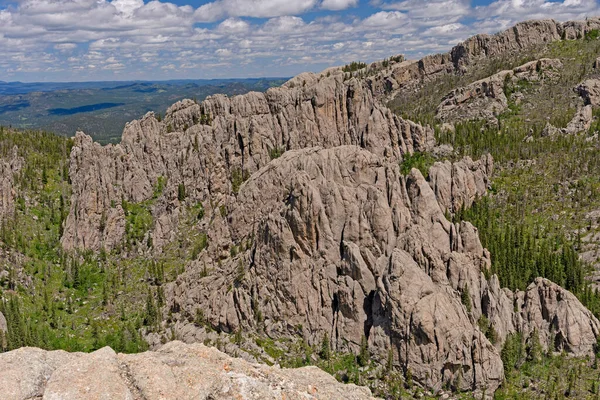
102	108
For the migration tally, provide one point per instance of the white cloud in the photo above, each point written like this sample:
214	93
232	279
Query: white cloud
158	39
284	25
233	25
431	13
518	10
114	66
337	5
223	52
65	47
385	19
252	8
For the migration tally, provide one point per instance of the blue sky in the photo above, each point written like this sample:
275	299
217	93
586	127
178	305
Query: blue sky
82	40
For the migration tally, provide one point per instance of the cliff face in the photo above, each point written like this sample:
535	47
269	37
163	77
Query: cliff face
175	372
210	147
344	245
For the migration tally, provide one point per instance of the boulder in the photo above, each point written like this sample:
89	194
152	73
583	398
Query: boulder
589	90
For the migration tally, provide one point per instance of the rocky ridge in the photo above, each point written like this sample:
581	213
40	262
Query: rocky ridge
351	248
210	147
397	77
177	371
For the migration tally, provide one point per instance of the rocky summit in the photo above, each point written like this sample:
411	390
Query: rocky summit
177	371
317	224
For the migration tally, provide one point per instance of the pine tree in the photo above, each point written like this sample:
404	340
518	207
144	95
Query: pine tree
465	298
363	355
325	348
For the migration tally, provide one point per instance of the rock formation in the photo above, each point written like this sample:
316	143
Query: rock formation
405	75
209	146
312	229
457	185
175	372
589	90
344	245
8	168
485	99
3	326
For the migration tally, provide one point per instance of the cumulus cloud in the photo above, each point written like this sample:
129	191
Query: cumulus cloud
252	8
94	39
516	10
337	5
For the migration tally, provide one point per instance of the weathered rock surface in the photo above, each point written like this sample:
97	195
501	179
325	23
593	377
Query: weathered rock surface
457	185
207	146
3	325
328	238
405	75
589	90
560	320
485	99
8	168
346	246
581	122
175	372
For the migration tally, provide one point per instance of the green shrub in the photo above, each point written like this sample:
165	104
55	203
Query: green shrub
420	161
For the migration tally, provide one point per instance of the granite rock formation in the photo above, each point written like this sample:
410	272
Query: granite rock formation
486	98
207	147
8	169
175	372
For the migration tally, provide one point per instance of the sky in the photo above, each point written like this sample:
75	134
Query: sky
91	40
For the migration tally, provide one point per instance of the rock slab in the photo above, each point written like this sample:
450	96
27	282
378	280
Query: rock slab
175	372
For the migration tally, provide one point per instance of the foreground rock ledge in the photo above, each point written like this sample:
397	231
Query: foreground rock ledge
177	371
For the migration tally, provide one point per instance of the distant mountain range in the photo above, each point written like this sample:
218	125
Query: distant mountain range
101	109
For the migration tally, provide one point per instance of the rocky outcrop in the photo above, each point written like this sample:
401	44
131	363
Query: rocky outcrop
589	90
312	230
561	322
485	99
406	75
457	185
343	245
211	147
175	372
8	168
581	122
3	325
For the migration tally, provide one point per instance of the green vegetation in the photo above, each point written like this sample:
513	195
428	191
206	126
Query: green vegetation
420	161
238	176
531	374
354	66
276	152
138	221
77	301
